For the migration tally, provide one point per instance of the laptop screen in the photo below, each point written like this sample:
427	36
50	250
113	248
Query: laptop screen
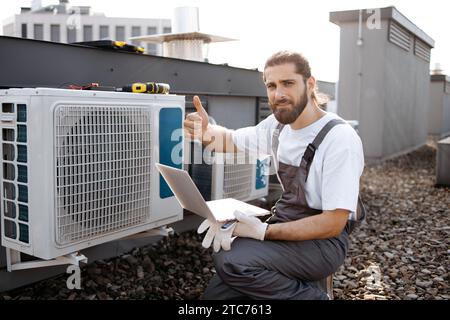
185	190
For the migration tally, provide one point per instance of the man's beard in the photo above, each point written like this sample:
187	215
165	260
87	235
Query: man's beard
289	115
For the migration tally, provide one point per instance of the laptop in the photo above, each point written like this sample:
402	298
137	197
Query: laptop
190	198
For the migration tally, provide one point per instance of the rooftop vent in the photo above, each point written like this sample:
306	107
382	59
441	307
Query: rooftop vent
437	69
185	41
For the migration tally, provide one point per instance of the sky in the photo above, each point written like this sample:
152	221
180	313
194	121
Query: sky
264	27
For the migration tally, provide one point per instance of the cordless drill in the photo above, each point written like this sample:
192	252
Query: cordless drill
147	87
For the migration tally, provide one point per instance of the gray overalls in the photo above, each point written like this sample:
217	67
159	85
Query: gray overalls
256	269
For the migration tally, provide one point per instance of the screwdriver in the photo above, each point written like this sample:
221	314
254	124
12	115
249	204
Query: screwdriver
147	87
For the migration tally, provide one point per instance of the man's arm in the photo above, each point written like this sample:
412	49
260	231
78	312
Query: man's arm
326	225
219	138
214	137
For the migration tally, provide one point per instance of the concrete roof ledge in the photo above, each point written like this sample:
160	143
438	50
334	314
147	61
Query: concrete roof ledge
338	17
440	77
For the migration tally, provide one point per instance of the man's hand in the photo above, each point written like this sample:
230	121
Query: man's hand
197	127
196	123
222	237
249	227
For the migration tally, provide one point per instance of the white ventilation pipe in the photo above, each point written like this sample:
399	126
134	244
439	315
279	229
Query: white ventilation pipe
185	19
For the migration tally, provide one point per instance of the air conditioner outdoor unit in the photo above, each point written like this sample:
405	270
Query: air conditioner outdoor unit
239	176
227	175
78	167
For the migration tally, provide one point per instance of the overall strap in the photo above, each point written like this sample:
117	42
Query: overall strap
306	164
308	156
274	151
310	151
275	138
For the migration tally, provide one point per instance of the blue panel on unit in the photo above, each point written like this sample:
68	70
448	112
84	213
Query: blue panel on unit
261	177
170	144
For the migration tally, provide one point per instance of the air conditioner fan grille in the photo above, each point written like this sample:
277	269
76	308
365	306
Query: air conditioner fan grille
102	157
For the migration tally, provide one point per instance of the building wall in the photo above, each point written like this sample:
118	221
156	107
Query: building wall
422	101
9	29
446	112
385	88
436	110
232	112
406	84
63	20
439	110
328	88
361	84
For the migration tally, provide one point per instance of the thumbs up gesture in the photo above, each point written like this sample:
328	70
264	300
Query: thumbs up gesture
196	123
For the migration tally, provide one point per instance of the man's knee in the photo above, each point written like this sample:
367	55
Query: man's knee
229	267
223	262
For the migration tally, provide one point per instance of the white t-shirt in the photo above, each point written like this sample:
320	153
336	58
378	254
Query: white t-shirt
333	179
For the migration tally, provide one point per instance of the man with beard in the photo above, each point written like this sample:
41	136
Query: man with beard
319	164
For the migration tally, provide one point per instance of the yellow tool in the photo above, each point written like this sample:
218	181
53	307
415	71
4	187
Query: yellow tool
147	87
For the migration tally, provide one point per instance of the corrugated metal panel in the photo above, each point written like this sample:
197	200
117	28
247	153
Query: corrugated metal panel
263	110
422	50
399	36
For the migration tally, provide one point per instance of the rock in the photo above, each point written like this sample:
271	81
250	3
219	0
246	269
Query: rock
441	269
140	290
425	271
140	272
91	284
132	261
424	284
168	263
374	297
389	255
432	291
412	296
156	279
393	274
72	296
94	271
148	264
352	269
351	284
102	296
115	288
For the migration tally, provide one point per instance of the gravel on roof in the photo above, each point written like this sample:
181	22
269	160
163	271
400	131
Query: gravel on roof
401	252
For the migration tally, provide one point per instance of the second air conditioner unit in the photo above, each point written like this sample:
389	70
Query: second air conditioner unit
227	175
239	176
78	167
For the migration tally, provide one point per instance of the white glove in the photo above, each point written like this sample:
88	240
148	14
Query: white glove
223	237
249	227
